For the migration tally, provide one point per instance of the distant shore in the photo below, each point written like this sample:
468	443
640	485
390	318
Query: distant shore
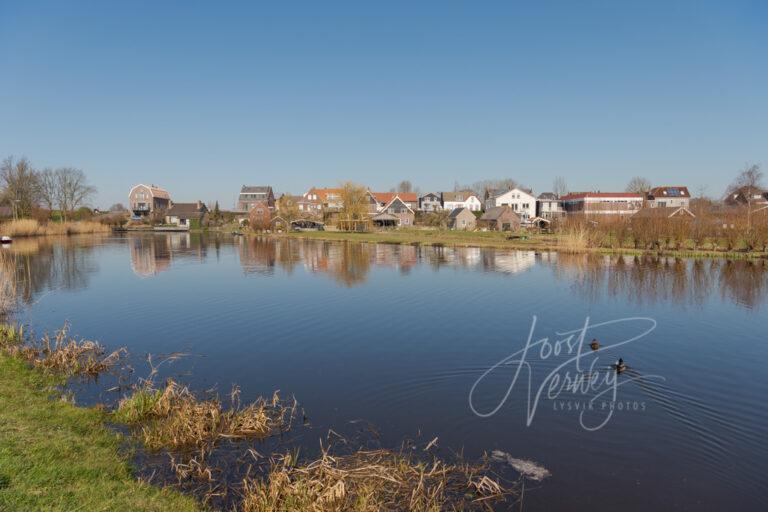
504	240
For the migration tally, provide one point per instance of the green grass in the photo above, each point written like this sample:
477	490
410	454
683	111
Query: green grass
56	456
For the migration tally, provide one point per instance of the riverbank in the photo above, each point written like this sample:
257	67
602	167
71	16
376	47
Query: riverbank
496	240
57	456
31	227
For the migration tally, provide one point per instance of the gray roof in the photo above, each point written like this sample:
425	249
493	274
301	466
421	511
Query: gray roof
496	212
462	195
548	196
457	211
246	189
663	212
187	210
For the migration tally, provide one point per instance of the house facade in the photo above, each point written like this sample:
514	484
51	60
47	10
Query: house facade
462	199
499	218
144	200
186	215
260	216
430	202
669	197
462	219
396	213
602	203
549	206
382	199
521	201
329	199
250	195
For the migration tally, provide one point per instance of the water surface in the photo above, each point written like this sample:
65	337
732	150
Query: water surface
396	336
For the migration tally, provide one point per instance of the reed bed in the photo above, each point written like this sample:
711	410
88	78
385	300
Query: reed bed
174	418
367	481
60	354
31	227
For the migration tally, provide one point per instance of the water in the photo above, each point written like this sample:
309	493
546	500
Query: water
396	337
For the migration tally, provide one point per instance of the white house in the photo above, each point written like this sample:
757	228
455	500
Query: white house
522	202
462	199
548	206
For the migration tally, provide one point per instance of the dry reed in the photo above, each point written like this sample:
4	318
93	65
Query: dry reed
372	481
31	227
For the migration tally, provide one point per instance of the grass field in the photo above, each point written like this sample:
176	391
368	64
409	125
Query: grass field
56	456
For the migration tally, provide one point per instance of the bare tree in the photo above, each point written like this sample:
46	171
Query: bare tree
749	183
559	186
119	207
639	185
73	189
49	188
404	186
21	185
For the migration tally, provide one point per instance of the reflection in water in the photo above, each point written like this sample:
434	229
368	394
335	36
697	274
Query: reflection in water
30	266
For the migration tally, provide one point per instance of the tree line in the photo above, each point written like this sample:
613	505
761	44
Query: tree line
26	189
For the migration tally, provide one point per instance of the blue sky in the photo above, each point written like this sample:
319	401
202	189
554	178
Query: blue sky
204	97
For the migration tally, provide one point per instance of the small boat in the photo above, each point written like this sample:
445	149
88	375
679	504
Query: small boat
6	240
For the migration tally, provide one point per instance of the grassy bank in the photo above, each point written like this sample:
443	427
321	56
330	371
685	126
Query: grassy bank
31	227
496	240
56	456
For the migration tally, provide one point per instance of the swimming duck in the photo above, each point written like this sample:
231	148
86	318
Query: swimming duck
620	366
595	344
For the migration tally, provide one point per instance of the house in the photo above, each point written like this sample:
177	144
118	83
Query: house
499	218
521	201
382	199
549	206
186	215
278	223
250	195
462	218
309	207
260	215
144	200
430	202
461	199
663	212
602	203
396	213
669	197
329	199
747	195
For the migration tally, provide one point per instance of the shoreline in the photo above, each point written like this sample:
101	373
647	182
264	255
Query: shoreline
493	240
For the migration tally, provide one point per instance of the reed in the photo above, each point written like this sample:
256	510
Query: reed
174	418
370	481
31	227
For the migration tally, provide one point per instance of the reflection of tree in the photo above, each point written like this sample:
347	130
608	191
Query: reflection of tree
258	255
743	281
351	263
30	267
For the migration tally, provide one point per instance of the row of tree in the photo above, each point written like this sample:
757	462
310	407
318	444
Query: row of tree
25	188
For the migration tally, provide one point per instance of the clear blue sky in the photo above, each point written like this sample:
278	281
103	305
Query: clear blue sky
204	97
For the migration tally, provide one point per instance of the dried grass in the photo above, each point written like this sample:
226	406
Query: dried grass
174	418
61	355
31	227
371	481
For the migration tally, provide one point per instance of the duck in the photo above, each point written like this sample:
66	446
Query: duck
620	365
595	344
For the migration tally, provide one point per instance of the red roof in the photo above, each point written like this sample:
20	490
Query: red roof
386	197
598	195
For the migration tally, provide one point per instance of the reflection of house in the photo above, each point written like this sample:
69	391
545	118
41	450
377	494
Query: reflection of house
548	206
602	203
664	212
521	201
499	218
669	197
396	213
461	199
462	218
250	195
510	262
149	255
186	215
430	202
146	199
